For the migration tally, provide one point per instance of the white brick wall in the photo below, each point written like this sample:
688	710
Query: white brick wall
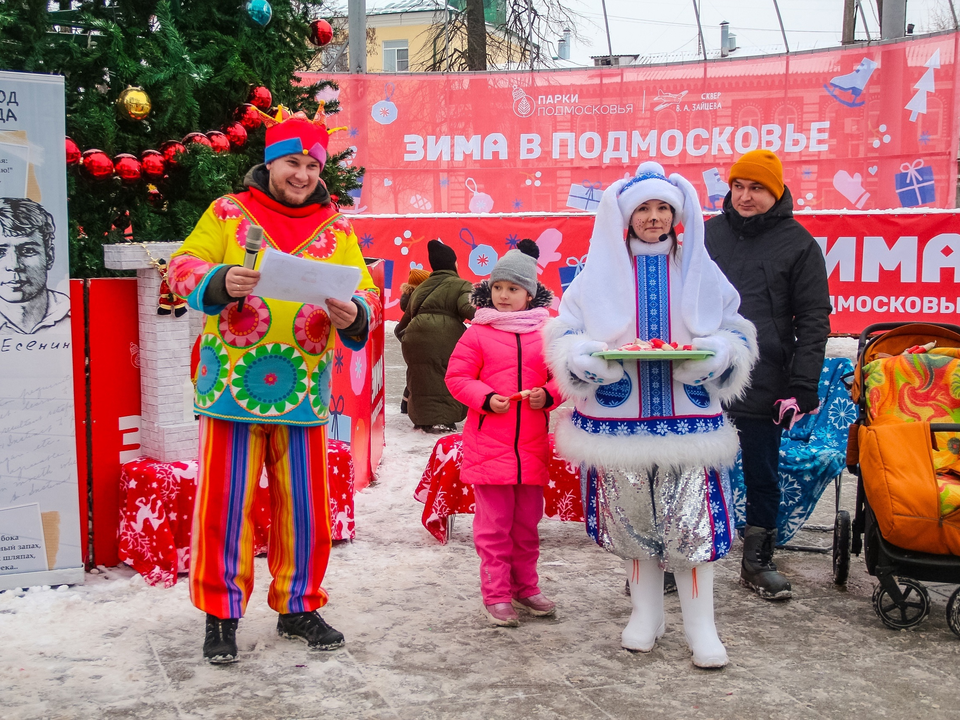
166	433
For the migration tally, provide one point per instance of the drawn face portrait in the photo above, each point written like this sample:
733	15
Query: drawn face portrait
23	267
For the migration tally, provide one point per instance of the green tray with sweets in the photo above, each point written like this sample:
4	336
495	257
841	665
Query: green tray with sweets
654	355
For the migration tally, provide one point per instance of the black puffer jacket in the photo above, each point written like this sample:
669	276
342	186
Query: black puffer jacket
779	271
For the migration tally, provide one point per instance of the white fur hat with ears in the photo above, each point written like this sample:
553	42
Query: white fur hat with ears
649	183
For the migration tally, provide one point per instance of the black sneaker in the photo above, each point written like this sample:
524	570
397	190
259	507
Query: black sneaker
220	643
310	627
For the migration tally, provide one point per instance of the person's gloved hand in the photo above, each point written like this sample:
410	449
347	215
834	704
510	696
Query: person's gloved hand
697	372
593	369
807	400
786	413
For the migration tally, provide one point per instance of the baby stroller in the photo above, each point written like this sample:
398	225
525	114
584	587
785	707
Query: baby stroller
904	449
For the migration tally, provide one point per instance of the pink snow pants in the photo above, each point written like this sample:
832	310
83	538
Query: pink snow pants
505	535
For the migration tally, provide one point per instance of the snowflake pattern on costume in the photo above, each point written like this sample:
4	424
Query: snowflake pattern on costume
653	426
244	328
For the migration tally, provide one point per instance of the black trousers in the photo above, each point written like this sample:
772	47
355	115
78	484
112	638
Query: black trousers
760	449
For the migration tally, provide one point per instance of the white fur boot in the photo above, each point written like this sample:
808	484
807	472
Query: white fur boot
695	588
646	624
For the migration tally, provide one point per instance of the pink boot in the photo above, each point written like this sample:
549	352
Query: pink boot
501	615
537	605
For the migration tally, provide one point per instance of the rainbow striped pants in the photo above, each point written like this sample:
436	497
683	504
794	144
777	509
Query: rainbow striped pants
232	457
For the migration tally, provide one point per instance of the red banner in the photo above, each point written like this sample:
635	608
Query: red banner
883	266
862	128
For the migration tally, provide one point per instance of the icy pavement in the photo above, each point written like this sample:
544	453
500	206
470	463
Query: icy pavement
417	647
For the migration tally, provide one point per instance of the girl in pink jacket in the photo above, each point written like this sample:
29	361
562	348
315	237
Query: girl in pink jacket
498	371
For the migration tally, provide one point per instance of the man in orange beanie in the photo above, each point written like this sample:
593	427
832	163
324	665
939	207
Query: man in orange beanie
779	271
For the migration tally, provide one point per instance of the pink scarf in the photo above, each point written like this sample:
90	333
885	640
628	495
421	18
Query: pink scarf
522	321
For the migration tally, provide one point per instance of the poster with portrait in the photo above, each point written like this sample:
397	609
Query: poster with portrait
39	505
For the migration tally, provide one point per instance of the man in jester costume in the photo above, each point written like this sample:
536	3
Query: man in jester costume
263	388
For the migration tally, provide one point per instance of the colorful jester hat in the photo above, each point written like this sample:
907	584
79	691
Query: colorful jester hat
296	134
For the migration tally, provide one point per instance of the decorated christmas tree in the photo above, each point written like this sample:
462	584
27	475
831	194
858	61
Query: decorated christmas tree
163	103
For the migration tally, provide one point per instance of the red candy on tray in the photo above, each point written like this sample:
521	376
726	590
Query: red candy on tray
653	344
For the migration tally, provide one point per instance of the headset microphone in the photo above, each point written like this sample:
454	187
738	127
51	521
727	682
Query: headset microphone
664	237
251	247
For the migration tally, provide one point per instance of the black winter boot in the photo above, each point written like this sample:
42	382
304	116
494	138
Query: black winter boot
757	570
220	642
312	628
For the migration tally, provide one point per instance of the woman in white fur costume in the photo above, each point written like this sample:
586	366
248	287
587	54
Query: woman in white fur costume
651	436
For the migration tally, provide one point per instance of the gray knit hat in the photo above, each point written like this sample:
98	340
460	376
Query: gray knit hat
519	266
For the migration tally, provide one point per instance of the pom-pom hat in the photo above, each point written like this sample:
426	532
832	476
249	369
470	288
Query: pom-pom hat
441	257
650	183
296	134
519	267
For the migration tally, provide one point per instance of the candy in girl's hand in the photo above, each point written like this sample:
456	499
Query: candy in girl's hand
523	394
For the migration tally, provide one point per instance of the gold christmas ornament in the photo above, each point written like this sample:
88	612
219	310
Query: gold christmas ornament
133	103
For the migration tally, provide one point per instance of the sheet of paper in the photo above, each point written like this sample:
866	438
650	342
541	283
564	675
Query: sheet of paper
286	277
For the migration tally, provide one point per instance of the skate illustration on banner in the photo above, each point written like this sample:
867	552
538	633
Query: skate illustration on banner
482	257
847	89
385	112
918	103
479	202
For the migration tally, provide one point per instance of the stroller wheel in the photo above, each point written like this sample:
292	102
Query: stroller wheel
953	612
841	547
915	607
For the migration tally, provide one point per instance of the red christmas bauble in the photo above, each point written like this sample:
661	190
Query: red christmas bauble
153	164
128	168
73	152
170	149
196	137
320	32
248	116
260	97
236	133
218	141
96	164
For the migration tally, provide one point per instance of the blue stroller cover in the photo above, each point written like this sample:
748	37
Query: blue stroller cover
811	454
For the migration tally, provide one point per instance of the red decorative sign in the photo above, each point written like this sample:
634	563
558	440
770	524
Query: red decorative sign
883	267
861	128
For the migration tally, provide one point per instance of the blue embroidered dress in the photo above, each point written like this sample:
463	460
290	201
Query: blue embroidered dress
653	484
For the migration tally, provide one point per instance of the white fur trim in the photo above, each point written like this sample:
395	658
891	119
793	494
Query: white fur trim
558	341
744	356
715	449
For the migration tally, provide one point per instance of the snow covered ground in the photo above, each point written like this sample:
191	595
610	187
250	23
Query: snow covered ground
417	648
